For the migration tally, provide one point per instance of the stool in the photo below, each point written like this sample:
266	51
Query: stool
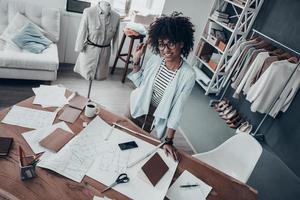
128	55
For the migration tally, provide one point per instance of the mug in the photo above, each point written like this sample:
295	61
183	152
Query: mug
91	109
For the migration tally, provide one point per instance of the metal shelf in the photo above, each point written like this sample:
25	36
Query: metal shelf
246	15
206	40
221	24
235	4
206	64
203	80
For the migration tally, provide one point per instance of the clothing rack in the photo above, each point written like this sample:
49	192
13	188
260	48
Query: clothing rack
254	31
275	41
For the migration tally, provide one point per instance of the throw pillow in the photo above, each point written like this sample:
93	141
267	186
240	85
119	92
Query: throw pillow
31	39
15	26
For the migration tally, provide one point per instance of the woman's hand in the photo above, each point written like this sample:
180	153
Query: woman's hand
170	149
140	50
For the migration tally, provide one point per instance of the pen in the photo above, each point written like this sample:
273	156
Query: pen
145	156
36	156
21	155
34	162
189	185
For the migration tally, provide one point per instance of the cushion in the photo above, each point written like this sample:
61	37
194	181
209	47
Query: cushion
16	25
47	60
31	39
47	18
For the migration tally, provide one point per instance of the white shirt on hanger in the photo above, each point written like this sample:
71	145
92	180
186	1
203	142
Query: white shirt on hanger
269	86
253	69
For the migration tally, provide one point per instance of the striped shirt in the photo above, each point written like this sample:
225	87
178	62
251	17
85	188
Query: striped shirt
163	78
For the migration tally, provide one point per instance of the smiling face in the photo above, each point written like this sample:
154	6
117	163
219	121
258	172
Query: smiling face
170	51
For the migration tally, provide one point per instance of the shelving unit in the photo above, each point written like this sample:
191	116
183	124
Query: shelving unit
211	58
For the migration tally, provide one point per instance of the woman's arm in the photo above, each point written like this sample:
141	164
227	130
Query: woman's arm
169	148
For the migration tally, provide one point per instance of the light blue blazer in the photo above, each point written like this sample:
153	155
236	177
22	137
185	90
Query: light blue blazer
169	111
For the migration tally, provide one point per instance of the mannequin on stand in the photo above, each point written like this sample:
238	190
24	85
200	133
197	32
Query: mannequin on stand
97	36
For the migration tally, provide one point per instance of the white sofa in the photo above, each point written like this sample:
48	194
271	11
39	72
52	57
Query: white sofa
22	64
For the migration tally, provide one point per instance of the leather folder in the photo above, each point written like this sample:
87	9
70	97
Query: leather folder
69	114
155	168
5	145
57	139
78	102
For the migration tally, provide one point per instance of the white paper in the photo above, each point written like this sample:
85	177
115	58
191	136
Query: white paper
29	118
50	96
194	193
76	157
101	198
34	137
137	187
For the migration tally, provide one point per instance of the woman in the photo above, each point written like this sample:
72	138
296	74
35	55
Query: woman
166	81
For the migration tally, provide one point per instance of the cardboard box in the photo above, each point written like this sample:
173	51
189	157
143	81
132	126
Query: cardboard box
213	40
212	65
221	45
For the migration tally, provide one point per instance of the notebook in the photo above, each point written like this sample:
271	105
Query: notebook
155	168
5	146
69	114
57	139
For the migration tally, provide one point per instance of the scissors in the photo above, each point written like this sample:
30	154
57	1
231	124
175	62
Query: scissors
122	178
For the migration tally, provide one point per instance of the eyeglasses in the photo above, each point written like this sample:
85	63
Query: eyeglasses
170	45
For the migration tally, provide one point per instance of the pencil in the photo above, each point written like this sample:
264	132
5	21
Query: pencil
140	134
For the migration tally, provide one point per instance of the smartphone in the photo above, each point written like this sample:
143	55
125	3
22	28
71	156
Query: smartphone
128	145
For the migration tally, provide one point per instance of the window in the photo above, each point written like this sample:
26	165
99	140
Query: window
121	6
77	6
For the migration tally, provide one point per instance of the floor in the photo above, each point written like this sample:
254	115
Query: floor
271	177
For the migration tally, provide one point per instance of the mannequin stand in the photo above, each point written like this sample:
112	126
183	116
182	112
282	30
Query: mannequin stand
90	87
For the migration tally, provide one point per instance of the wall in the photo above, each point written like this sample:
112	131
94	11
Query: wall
280	20
197	10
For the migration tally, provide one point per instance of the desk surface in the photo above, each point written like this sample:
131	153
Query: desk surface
50	185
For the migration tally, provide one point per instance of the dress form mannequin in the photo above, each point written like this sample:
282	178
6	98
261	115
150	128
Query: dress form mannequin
105	7
97	36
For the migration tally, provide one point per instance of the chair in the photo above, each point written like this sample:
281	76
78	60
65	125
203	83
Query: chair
128	55
236	157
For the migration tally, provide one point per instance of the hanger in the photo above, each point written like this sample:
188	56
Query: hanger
270	48
262	44
284	56
255	39
276	52
293	59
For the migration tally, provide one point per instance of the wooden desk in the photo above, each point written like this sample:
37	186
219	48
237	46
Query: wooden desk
50	185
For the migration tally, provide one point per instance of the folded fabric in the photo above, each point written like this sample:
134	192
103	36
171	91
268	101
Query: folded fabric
136	27
130	32
31	39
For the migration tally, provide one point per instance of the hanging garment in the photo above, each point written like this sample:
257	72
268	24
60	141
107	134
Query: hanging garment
243	67
265	66
269	86
249	54
96	32
287	96
253	69
239	54
243	59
